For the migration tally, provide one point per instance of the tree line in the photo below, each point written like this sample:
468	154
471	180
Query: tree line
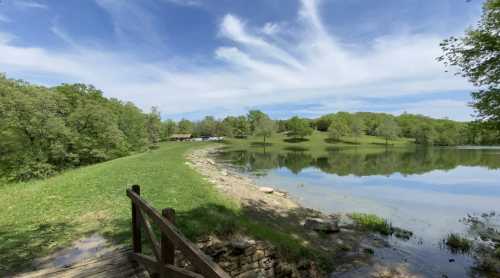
338	126
44	130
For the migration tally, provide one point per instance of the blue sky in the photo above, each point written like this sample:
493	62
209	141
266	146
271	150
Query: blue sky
218	57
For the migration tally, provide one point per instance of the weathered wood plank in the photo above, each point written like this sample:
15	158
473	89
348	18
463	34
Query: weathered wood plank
200	261
136	228
170	270
155	246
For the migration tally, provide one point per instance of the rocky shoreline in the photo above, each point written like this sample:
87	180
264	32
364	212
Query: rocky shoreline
350	248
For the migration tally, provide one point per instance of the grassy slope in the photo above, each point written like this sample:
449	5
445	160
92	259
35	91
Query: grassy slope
38	217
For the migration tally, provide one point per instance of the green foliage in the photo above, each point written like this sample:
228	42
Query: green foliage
264	127
357	127
389	130
338	129
254	117
298	127
458	243
372	222
477	56
185	126
168	128
207	127
44	130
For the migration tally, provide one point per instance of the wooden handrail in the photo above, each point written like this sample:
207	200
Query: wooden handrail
171	238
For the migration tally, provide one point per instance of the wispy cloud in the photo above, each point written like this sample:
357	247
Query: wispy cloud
4	18
29	4
258	67
185	2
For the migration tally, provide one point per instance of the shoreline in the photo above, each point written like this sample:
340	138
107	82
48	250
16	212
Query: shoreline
355	246
238	187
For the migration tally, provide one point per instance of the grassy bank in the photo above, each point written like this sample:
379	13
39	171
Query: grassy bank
318	141
38	217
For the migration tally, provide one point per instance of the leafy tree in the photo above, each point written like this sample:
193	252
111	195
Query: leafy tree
153	125
425	134
477	55
264	127
185	126
389	129
338	129
254	117
168	128
298	128
357	127
208	126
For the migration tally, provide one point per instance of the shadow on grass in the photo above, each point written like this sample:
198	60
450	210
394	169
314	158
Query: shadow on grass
332	141
296	149
260	144
19	248
295	140
283	230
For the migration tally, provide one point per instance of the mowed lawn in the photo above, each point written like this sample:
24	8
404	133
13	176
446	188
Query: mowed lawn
318	142
38	217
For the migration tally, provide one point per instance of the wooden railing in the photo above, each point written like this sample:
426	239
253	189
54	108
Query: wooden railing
162	264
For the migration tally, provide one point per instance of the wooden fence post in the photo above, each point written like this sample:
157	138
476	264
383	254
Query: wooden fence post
136	225
167	247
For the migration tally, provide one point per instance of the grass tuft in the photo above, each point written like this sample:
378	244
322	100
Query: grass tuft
457	243
372	222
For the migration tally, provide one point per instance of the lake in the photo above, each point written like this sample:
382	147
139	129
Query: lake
426	190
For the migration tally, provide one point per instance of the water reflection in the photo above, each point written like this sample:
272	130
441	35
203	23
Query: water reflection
365	161
425	190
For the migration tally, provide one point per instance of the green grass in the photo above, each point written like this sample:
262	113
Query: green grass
458	243
317	142
38	217
372	222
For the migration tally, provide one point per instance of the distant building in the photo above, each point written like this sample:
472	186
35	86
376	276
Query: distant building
180	137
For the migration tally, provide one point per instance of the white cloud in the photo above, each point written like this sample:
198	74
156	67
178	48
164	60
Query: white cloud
258	69
29	4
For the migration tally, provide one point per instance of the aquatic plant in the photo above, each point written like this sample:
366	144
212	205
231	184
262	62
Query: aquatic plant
372	222
457	243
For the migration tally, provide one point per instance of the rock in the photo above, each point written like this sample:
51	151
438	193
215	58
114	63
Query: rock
224	173
401	233
321	225
210	161
281	193
267	190
346	222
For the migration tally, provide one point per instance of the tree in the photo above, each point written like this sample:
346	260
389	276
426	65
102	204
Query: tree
253	117
153	125
185	126
338	129
168	128
298	128
425	135
477	55
389	129
264	127
207	127
357	127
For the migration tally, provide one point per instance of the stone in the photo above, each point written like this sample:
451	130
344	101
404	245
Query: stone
281	193
210	161
224	173
322	225
267	190
402	234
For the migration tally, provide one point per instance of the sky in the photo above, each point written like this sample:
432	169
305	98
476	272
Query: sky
192	58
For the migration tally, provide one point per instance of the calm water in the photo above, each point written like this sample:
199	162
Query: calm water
427	191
